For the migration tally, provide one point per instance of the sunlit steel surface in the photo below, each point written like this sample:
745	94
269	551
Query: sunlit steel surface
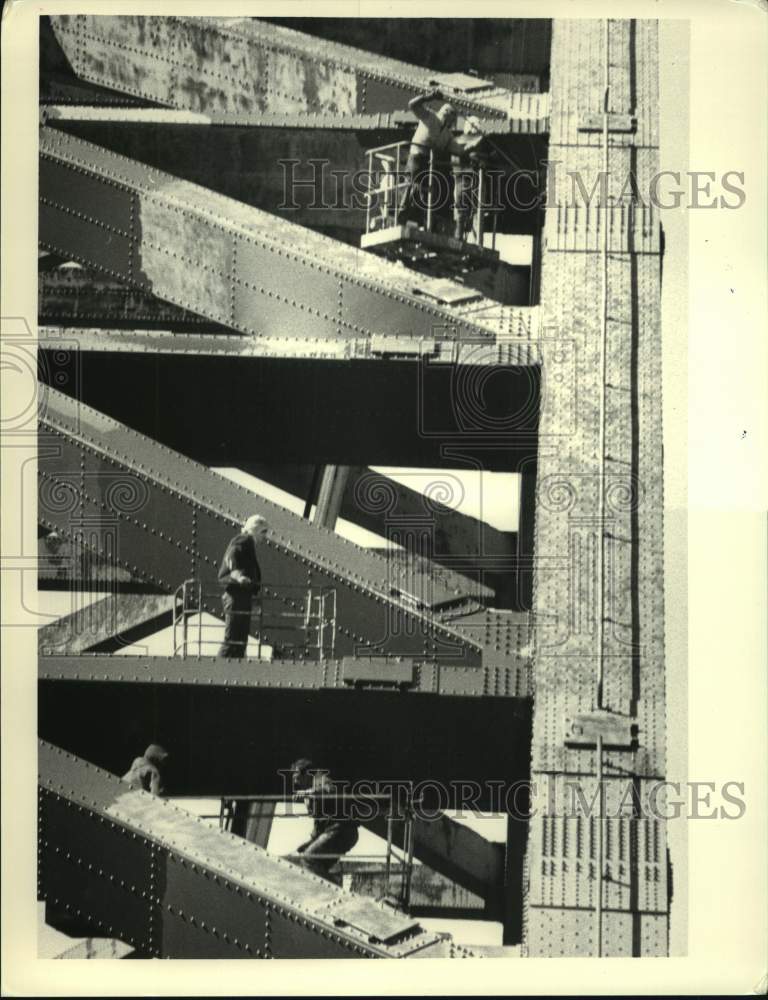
143	871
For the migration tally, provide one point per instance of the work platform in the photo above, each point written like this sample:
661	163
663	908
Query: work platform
415	246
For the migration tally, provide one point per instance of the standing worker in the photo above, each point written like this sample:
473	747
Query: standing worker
468	156
240	574
333	833
144	772
435	134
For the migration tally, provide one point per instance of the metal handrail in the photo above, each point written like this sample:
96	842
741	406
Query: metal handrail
403	864
318	615
387	196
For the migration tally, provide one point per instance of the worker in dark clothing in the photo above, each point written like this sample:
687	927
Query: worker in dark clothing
144	772
240	574
470	153
435	134
333	832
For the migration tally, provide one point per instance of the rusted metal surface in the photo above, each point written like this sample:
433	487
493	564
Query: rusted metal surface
246	66
456	852
527	113
164	882
237	265
597	881
104	620
166	518
432	894
75	296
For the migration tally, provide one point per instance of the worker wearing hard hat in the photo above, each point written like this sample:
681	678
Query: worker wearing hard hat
240	574
144	772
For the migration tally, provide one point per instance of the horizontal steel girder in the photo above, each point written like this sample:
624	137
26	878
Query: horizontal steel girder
171	340
229	735
162	880
246	67
84	628
242	267
165	518
399	674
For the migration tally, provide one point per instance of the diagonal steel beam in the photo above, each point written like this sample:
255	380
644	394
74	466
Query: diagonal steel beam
457	852
166	518
244	268
136	615
160	879
244	66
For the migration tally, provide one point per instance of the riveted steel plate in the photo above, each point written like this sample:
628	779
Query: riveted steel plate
84	240
625	343
294	935
378	670
615	730
377	924
207	892
101	201
373	310
272	294
616	123
209	917
375	94
103	870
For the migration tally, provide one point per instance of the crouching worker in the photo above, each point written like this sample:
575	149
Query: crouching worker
144	772
333	832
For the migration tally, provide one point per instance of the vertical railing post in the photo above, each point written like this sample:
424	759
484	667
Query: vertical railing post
184	621
479	217
199	617
389	852
429	190
599	851
369	197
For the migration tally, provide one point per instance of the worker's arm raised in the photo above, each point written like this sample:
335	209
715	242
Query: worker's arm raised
418	105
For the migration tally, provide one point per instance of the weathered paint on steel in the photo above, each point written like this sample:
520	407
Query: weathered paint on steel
562	847
246	66
135	490
107	618
237	265
162	880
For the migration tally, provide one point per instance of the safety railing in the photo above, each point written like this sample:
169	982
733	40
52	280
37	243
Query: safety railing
389	185
306	613
398	862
